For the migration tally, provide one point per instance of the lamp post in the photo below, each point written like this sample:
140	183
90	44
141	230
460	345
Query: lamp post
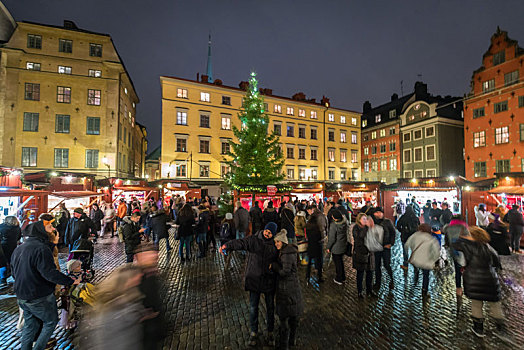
106	163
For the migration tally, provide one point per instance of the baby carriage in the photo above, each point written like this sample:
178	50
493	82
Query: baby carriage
83	251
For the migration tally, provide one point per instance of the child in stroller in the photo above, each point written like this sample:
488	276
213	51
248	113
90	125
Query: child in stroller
83	251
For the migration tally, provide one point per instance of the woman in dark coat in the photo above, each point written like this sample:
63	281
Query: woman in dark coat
314	249
498	234
10	234
96	215
481	282
185	221
270	215
363	260
159	226
407	224
289	303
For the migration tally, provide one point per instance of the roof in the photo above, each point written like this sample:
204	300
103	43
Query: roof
19	192
134	188
518	190
384	109
155	154
75	194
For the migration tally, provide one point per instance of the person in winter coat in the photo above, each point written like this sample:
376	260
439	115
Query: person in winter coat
241	220
79	227
109	219
454	232
416	207
445	217
516	226
384	257
481	282
367	208
227	233
201	228
289	303
10	235
407	225
259	278
159	226
363	259
36	277
300	234
337	243
121	211
497	234
255	216
185	221
96	215
270	215
63	219
425	212
315	234
287	222
434	215
132	235
481	216
425	251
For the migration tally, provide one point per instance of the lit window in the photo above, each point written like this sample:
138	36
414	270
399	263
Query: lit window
364	123
63	94
301	173
343	119
204	170
382	132
378	118
374	165
383	165
331	117
501	135
125	90
479	139
290	111
354	121
95	73
290	173
204	97
488	85
366	151
290	131
343	136
343	174
331	154
277	109
181	118
354	138
181	93
313	114
94	97
64	70
29	156
226	122
366	166
32	66
354	156
393	164
343	155
301	112
373	135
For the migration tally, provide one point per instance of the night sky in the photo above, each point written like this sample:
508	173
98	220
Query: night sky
350	51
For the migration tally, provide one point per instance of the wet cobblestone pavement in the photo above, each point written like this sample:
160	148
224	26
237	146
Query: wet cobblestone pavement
207	308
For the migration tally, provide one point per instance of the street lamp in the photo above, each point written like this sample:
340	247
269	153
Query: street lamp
106	163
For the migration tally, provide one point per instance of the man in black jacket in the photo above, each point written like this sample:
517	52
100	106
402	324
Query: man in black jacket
79	226
446	215
516	224
132	234
387	242
434	215
255	216
270	215
36	277
159	226
259	277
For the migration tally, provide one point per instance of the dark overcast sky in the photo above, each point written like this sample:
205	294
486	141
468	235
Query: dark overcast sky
350	51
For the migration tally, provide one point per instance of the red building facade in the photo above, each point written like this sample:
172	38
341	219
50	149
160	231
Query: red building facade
494	112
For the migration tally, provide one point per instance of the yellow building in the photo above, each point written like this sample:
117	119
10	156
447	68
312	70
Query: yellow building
67	103
320	143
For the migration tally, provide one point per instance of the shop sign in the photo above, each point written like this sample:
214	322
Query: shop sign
271	190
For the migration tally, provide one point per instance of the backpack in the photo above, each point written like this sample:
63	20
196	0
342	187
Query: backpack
225	231
374	239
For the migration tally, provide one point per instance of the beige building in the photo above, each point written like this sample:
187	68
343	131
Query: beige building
67	103
320	143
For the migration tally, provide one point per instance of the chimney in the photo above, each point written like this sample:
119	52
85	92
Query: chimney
205	78
265	91
244	85
324	101
421	89
198	77
217	82
394	97
69	24
299	96
367	107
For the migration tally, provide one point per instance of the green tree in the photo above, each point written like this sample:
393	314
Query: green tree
256	159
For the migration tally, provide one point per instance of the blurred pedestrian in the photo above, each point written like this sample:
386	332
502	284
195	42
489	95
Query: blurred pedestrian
96	215
159	226
384	256
498	234
255	216
516	226
454	232
185	221
202	228
425	212
337	244
131	232
363	259
62	220
407	225
241	220
315	233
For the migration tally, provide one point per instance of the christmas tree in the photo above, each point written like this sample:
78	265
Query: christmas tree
257	158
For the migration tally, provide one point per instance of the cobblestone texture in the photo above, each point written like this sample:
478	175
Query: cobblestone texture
207	308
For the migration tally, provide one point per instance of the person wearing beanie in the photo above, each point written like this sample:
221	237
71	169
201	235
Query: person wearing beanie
337	244
289	304
79	226
453	232
259	278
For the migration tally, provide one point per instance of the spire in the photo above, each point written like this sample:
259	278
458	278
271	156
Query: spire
209	63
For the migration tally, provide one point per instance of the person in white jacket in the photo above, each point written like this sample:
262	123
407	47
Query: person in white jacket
482	216
425	251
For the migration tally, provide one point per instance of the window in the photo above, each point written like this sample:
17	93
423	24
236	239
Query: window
417	134
393	164
94	97
392	131
383	148
301	132
407	137
32	92
226	100
343	155
364	123
314	154
366	166
204	146
62	124
366	151
301	153
301	173
93	126
343	136
181	93
34	41
181	145
331	135
430	152
32	66
343	174
417	151
125	135
290	152
331	154
204	97
354	121
521	101
331	174
277	108
354	156
419	173
95	73
502	166
313	115
382	132
479	139
301	112
373	149
499	57
365	137
65	45
204	120
373	135
61	157
92	158
430	131
181	117
204	170
63	94
407	156
392	113
30	121
383	165
374	166
354	139
224	169
331	117
95	50
407	174
511	78
378	117
313	133
521	132
277	129
501	135
226	122
500	106
343	119
290	111
392	146
29	156
181	170
290	173
290	131
431	173
266	107
488	85
480	169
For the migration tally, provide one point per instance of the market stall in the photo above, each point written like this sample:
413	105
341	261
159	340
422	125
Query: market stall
19	202
355	193
72	199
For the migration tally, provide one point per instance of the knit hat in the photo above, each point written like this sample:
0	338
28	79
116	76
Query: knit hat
458	222
271	226
282	236
337	215
229	216
79	210
378	209
301	213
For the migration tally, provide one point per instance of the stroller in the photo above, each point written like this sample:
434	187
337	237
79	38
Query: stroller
83	250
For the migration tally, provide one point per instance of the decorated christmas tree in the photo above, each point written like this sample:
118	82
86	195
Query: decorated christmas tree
256	159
